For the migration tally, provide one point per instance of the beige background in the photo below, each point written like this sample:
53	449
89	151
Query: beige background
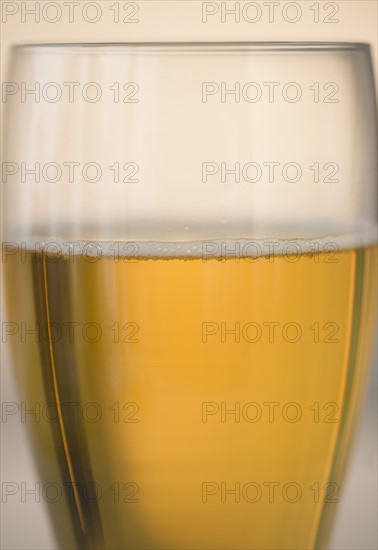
24	526
180	20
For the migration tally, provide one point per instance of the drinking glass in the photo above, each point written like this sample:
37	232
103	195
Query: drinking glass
189	246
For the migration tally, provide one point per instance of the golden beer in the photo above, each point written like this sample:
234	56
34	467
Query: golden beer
191	402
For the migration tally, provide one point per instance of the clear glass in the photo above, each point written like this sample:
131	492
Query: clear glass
189	247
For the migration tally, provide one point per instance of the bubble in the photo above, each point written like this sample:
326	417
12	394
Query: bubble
210	248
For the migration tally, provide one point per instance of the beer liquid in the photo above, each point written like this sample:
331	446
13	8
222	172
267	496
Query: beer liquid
192	404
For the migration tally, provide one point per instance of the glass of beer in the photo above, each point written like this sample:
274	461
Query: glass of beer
189	245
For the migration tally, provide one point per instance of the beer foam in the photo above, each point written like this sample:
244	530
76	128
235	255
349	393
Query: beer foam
203	249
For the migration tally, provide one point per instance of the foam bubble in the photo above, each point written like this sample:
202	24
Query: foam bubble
205	249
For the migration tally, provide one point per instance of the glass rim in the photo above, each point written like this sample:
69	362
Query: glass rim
225	46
